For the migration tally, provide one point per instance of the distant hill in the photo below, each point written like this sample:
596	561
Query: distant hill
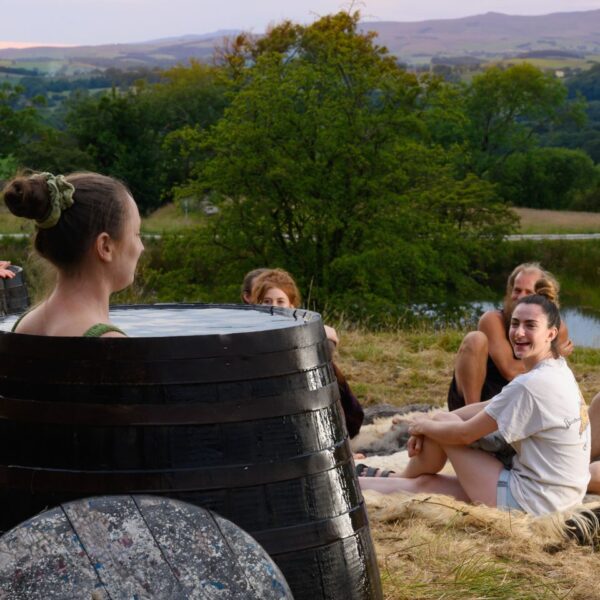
490	36
153	53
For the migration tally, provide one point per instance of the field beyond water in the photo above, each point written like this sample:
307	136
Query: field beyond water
431	547
535	220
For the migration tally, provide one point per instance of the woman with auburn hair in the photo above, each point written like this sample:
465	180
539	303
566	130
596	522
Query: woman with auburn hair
276	287
88	228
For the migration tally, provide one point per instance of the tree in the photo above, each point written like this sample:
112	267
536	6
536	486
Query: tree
324	145
552	178
128	134
507	107
20	121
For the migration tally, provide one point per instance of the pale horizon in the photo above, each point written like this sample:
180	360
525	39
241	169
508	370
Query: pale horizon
103	22
23	45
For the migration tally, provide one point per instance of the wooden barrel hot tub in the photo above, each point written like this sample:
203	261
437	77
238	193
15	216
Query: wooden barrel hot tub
232	408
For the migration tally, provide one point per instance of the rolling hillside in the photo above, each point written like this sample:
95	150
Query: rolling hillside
491	36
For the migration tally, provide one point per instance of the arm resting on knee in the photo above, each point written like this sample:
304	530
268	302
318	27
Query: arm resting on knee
454	432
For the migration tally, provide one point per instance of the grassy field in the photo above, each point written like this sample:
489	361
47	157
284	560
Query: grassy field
167	218
431	547
535	220
171	218
552	64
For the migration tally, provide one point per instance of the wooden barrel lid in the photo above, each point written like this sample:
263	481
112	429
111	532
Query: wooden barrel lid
135	547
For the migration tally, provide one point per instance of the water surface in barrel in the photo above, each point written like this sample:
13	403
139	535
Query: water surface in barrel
165	320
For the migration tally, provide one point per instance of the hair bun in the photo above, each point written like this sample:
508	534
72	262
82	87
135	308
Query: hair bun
28	197
545	287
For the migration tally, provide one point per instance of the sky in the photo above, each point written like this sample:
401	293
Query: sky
80	22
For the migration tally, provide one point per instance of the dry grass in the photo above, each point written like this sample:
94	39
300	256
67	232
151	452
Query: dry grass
535	220
403	367
432	547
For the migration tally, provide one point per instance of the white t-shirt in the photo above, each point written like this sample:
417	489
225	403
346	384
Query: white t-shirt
543	416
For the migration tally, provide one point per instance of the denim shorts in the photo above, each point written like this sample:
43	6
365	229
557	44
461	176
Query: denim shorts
504	498
495	444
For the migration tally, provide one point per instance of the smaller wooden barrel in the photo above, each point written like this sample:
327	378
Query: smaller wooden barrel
135	547
13	293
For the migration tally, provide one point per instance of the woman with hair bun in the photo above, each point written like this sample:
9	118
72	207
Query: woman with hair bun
88	228
541	413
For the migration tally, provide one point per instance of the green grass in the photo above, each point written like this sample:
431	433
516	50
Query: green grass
551	64
171	218
11	224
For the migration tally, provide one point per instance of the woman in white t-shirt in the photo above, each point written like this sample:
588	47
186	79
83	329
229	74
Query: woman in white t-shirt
541	413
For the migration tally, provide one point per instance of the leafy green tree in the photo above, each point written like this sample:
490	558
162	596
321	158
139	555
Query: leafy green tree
20	121
551	178
507	107
55	151
586	83
128	134
114	131
327	163
577	137
8	167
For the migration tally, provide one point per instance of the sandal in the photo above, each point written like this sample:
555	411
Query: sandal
363	470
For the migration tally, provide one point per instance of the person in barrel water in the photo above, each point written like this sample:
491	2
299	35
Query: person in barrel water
276	287
88	228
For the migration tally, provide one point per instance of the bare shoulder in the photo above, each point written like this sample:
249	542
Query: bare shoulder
491	320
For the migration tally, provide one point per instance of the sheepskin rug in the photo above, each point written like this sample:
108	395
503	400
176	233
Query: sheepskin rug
382	440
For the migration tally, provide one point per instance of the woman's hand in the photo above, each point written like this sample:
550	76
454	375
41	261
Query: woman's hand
566	349
414	445
5	272
418	425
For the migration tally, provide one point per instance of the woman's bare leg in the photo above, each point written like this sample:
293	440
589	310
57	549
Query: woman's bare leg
470	367
477	471
476	480
432	457
429	484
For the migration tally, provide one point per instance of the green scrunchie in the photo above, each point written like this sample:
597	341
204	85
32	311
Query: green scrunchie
61	198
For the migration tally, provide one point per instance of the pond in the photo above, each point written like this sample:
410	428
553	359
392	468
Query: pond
584	327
